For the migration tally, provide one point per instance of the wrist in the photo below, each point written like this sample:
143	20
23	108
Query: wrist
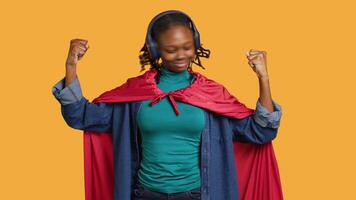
71	66
263	77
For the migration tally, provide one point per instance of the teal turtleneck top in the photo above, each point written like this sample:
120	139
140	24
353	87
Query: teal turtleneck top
170	142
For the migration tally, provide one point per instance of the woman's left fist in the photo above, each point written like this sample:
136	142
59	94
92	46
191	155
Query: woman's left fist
258	62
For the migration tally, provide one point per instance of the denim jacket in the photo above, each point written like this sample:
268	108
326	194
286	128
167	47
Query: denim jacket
218	171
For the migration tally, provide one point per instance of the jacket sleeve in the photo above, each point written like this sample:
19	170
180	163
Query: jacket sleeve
259	128
78	112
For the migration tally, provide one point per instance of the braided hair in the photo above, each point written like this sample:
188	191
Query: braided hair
162	24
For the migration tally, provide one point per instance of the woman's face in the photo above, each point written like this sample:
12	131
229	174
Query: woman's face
176	46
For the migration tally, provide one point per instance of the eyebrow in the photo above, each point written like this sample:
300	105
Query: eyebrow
175	46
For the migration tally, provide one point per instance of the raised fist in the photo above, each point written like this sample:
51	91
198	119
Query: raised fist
77	49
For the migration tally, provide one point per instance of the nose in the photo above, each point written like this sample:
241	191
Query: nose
180	54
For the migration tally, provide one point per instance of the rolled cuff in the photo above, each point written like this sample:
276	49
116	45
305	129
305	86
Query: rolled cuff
268	119
67	95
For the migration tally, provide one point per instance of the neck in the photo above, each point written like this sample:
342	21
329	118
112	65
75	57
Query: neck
167	75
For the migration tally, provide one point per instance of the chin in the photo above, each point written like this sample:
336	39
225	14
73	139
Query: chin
178	68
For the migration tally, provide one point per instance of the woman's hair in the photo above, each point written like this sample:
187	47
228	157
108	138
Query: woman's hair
163	23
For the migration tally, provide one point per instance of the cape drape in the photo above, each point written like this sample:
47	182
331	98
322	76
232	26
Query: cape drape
256	165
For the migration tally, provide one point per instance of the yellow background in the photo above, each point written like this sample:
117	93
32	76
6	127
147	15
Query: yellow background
311	63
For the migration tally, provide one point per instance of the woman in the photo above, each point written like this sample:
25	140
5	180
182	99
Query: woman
162	153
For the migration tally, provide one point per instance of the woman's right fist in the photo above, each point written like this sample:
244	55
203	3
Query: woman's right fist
77	49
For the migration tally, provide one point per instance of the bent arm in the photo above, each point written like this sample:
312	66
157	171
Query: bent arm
78	112
259	128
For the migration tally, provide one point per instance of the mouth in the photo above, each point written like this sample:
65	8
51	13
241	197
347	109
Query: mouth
181	64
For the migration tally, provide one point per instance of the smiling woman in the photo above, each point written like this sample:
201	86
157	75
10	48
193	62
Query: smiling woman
175	36
172	133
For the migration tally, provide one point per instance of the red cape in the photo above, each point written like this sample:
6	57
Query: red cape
256	165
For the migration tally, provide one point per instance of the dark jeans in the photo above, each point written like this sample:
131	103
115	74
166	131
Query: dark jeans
142	193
